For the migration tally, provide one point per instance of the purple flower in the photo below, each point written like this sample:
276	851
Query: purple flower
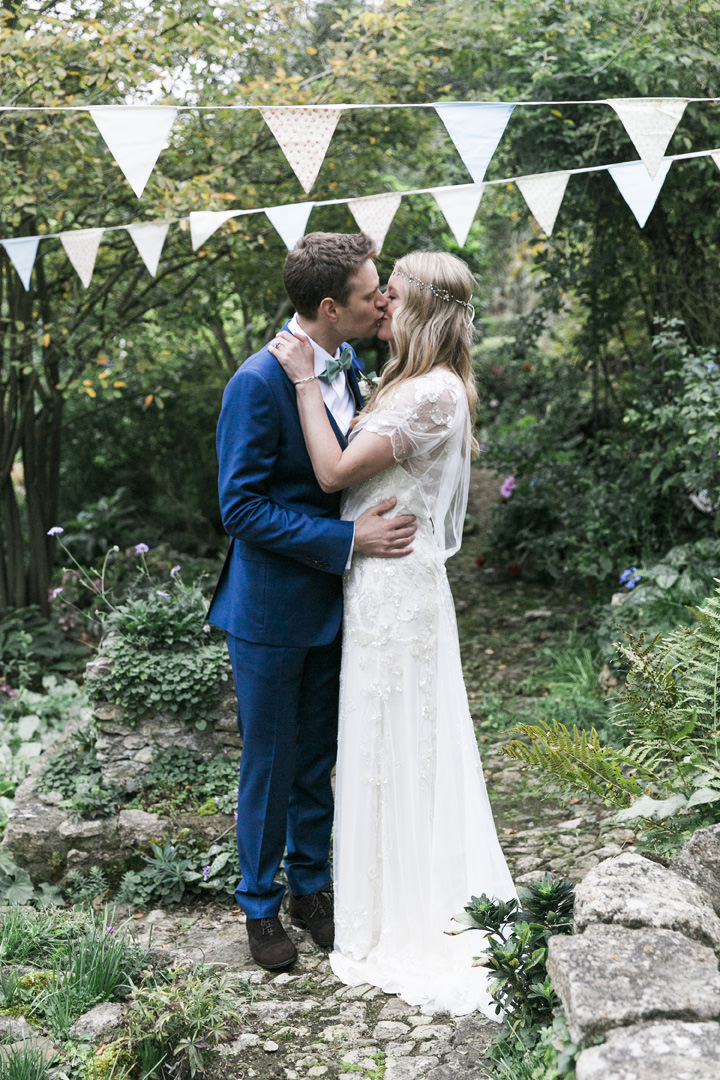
141	549
54	593
110	930
165	595
175	571
630	577
57	530
206	873
206	628
506	489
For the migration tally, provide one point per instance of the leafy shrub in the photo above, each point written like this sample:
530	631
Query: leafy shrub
517	950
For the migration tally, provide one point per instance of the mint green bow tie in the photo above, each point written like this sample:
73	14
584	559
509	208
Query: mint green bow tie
335	366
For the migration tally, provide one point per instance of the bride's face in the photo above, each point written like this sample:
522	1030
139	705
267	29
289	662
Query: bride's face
394	296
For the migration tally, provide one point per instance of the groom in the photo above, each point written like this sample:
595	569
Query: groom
279	598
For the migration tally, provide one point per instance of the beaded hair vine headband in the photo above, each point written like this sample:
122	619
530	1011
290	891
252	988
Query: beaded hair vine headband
442	294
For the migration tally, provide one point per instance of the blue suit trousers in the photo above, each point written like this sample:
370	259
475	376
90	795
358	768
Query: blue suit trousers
287	717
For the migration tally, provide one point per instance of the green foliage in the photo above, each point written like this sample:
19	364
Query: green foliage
26	1063
668	710
517	949
182	870
176	1027
552	1058
32	648
74	772
179	781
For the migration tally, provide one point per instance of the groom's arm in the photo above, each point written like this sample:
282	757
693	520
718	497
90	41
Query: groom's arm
248	443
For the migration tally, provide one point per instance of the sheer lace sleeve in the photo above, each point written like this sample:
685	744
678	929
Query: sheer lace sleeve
428	423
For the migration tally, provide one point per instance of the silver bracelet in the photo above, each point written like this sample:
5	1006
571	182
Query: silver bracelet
308	378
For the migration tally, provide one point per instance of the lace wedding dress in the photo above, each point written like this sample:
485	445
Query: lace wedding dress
414	835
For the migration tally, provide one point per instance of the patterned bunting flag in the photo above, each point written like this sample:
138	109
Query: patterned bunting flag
304	136
203	223
650	123
374	214
81	247
543	192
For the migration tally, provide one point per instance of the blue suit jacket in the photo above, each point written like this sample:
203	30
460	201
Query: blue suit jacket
282	579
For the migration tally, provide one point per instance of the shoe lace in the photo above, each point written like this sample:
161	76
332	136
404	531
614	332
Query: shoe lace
267	927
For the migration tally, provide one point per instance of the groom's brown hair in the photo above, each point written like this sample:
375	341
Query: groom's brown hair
322	264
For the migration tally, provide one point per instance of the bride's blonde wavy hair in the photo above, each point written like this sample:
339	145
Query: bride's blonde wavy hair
433	325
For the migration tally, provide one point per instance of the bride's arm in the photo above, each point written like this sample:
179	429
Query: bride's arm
335	468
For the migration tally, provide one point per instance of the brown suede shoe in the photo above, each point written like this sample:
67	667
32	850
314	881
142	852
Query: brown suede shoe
314	913
270	946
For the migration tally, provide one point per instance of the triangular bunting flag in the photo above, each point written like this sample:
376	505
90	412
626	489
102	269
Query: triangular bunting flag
638	189
459	206
715	155
21	252
543	192
304	136
148	238
81	247
476	127
650	123
290	221
203	223
374	214
135	135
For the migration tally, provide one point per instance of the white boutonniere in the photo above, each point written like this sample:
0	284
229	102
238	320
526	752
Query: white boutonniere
367	383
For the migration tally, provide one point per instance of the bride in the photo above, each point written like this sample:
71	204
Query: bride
414	837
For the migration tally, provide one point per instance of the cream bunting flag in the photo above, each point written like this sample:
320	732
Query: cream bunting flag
374	214
544	192
304	136
476	128
650	123
715	155
203	223
21	251
81	247
149	237
459	206
638	189
134	135
290	221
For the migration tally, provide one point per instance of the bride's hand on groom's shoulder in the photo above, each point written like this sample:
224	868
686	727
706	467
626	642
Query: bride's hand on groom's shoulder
295	355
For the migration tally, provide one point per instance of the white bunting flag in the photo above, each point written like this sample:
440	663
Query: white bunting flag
650	123
476	128
134	135
203	223
22	251
290	221
374	214
81	247
149	237
715	155
543	192
459	206
304	136
637	187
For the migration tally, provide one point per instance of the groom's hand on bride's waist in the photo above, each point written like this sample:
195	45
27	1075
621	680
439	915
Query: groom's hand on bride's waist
384	537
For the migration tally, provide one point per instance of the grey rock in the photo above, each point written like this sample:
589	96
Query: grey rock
632	891
611	976
100	1024
699	861
390	1029
13	1029
409	1068
661	1051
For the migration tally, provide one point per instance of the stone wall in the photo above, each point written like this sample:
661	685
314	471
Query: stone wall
47	839
641	970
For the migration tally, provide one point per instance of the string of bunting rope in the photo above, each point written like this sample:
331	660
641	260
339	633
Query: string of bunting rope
136	134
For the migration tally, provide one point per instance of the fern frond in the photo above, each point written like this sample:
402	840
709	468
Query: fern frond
574	759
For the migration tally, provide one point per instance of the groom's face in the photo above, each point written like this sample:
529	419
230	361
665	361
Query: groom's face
361	316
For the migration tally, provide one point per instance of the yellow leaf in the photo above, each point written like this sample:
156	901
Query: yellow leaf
119	382
149	398
556	112
104	375
310	51
87	382
90	392
46	341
